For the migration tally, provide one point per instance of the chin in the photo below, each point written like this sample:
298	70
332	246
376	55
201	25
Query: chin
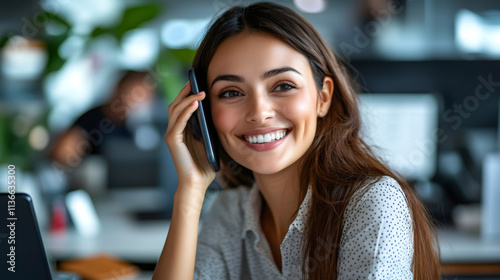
265	167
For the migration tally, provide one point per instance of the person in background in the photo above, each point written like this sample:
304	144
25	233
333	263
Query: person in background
89	132
312	200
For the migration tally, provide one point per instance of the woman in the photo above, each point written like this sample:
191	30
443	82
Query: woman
312	201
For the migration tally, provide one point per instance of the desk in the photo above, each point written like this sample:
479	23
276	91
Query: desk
464	253
121	235
466	247
142	241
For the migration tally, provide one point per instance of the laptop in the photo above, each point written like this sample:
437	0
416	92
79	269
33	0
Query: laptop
22	254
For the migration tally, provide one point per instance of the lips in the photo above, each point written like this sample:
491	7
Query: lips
265	137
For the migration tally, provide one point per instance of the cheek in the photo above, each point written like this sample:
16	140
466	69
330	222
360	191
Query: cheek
224	120
301	108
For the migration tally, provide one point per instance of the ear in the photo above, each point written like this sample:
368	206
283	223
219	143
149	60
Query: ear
325	97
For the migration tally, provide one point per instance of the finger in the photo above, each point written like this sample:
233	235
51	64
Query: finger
181	114
179	108
184	94
177	126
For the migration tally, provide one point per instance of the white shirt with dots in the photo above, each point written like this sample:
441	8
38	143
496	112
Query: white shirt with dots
376	242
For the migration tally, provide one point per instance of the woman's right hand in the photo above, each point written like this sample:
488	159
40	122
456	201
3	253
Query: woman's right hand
188	154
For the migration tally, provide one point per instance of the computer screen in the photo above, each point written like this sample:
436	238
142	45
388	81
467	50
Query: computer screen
129	166
402	129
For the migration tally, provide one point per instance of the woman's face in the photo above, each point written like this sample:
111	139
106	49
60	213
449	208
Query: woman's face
264	101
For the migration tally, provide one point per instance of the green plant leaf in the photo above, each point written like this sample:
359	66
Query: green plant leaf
3	40
55	61
173	65
57	19
5	139
99	31
185	56
132	18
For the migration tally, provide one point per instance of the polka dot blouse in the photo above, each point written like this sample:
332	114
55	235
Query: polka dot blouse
376	242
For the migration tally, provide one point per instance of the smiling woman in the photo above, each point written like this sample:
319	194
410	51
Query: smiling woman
312	201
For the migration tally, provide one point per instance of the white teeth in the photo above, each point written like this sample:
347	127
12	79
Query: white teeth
266	138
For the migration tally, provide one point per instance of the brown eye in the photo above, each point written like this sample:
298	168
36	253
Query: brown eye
284	87
230	94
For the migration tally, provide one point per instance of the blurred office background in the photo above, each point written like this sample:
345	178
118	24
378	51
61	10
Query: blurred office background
429	73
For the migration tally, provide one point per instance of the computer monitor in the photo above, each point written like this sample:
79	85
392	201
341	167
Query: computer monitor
129	166
402	129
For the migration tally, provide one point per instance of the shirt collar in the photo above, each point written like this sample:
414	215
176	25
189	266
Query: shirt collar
300	221
253	209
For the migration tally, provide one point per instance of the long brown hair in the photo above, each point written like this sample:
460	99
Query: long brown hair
339	162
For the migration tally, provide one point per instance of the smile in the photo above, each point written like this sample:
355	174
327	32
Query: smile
266	138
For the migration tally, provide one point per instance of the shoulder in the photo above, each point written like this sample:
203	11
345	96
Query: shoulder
378	204
383	185
383	194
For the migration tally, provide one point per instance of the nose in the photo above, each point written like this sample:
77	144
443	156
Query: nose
259	108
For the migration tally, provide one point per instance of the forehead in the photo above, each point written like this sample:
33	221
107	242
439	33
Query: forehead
255	52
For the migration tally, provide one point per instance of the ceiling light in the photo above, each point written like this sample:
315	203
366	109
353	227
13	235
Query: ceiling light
310	6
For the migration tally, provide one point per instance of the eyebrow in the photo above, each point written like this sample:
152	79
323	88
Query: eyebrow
277	71
231	78
267	75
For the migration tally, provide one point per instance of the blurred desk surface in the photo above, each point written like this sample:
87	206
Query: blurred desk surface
121	235
467	247
142	241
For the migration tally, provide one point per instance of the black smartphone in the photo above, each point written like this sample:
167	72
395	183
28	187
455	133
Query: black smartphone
200	128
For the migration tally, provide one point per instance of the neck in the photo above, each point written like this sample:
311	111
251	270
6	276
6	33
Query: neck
281	193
